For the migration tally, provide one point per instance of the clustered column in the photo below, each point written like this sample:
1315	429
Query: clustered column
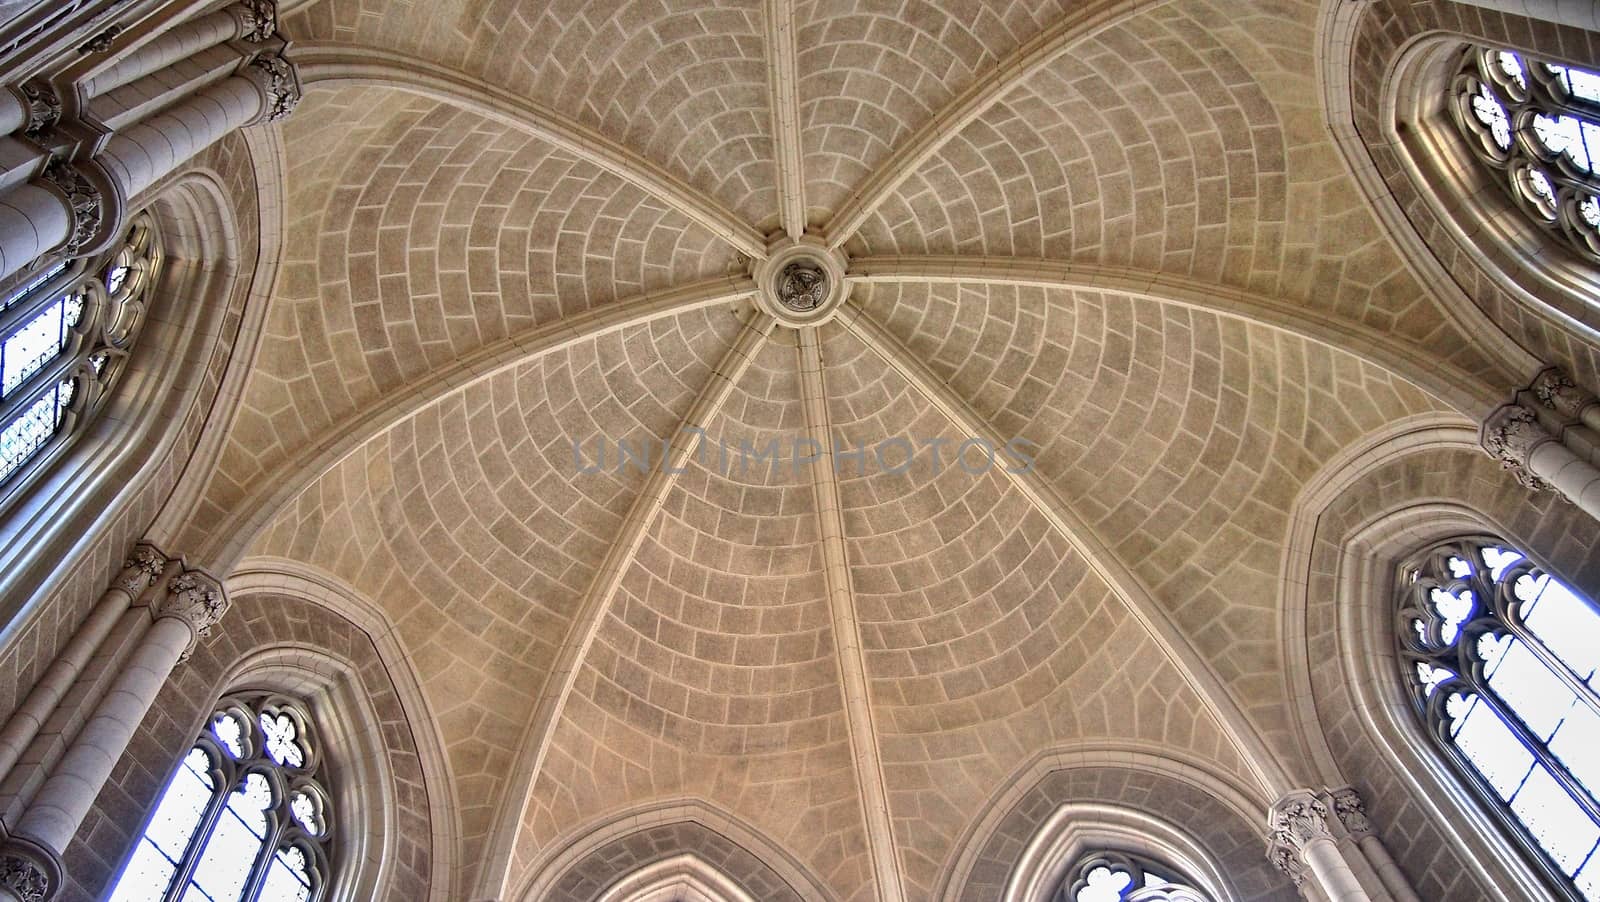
1550	438
76	204
1304	847
176	606
1333	859
1357	828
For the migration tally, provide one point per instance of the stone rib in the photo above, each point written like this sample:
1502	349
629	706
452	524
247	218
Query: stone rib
1037	53
327	64
591	613
846	631
783	84
1265	768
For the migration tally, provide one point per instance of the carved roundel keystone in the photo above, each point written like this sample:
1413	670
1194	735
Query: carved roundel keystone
802	282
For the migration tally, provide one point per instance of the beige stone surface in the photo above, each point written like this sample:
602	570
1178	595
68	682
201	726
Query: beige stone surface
1178	139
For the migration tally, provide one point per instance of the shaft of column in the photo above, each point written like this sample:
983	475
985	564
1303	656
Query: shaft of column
33	221
1388	869
1298	833
1569	474
13	113
1584	15
139	573
184	40
1331	871
1346	803
142	154
185	609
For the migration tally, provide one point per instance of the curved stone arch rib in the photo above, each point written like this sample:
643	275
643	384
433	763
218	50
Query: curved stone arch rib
1460	390
1414	435
494	873
566	853
783	83
263	575
333	64
1084	22
1333	60
226	544
1248	803
279	655
682	877
1079	828
267	153
1220	703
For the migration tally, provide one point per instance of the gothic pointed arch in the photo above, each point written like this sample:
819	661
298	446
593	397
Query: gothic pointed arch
95	496
1455	127
1072	811
1360	707
286	656
602	857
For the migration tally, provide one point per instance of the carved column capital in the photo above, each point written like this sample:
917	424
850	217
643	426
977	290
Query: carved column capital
258	19
1510	435
29	870
144	566
279	83
196	598
1287	860
43	106
85	201
1298	819
1351	810
1559	393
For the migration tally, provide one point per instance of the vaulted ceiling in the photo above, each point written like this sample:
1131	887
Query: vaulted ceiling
1119	231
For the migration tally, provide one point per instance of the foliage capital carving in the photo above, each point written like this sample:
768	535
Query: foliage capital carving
1510	435
85	203
258	19
197	599
279	82
1298	819
144	566
1351	810
1559	393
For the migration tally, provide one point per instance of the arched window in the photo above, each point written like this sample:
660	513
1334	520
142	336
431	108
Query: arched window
1538	125
1107	876
64	339
244	818
1501	658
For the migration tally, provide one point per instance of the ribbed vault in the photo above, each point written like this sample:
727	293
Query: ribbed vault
1116	232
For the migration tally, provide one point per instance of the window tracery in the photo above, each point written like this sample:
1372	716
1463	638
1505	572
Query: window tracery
244	819
1107	876
1537	125
1501	658
65	336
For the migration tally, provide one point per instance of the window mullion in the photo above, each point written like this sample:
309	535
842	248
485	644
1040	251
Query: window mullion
1541	752
1581	689
35	386
269	849
66	282
201	838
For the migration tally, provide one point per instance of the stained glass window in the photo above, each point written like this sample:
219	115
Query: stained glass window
244	818
64	334
1537	125
1501	658
1108	876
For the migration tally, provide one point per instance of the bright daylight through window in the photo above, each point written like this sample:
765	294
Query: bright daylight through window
1502	660
244	818
64	337
1537	124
